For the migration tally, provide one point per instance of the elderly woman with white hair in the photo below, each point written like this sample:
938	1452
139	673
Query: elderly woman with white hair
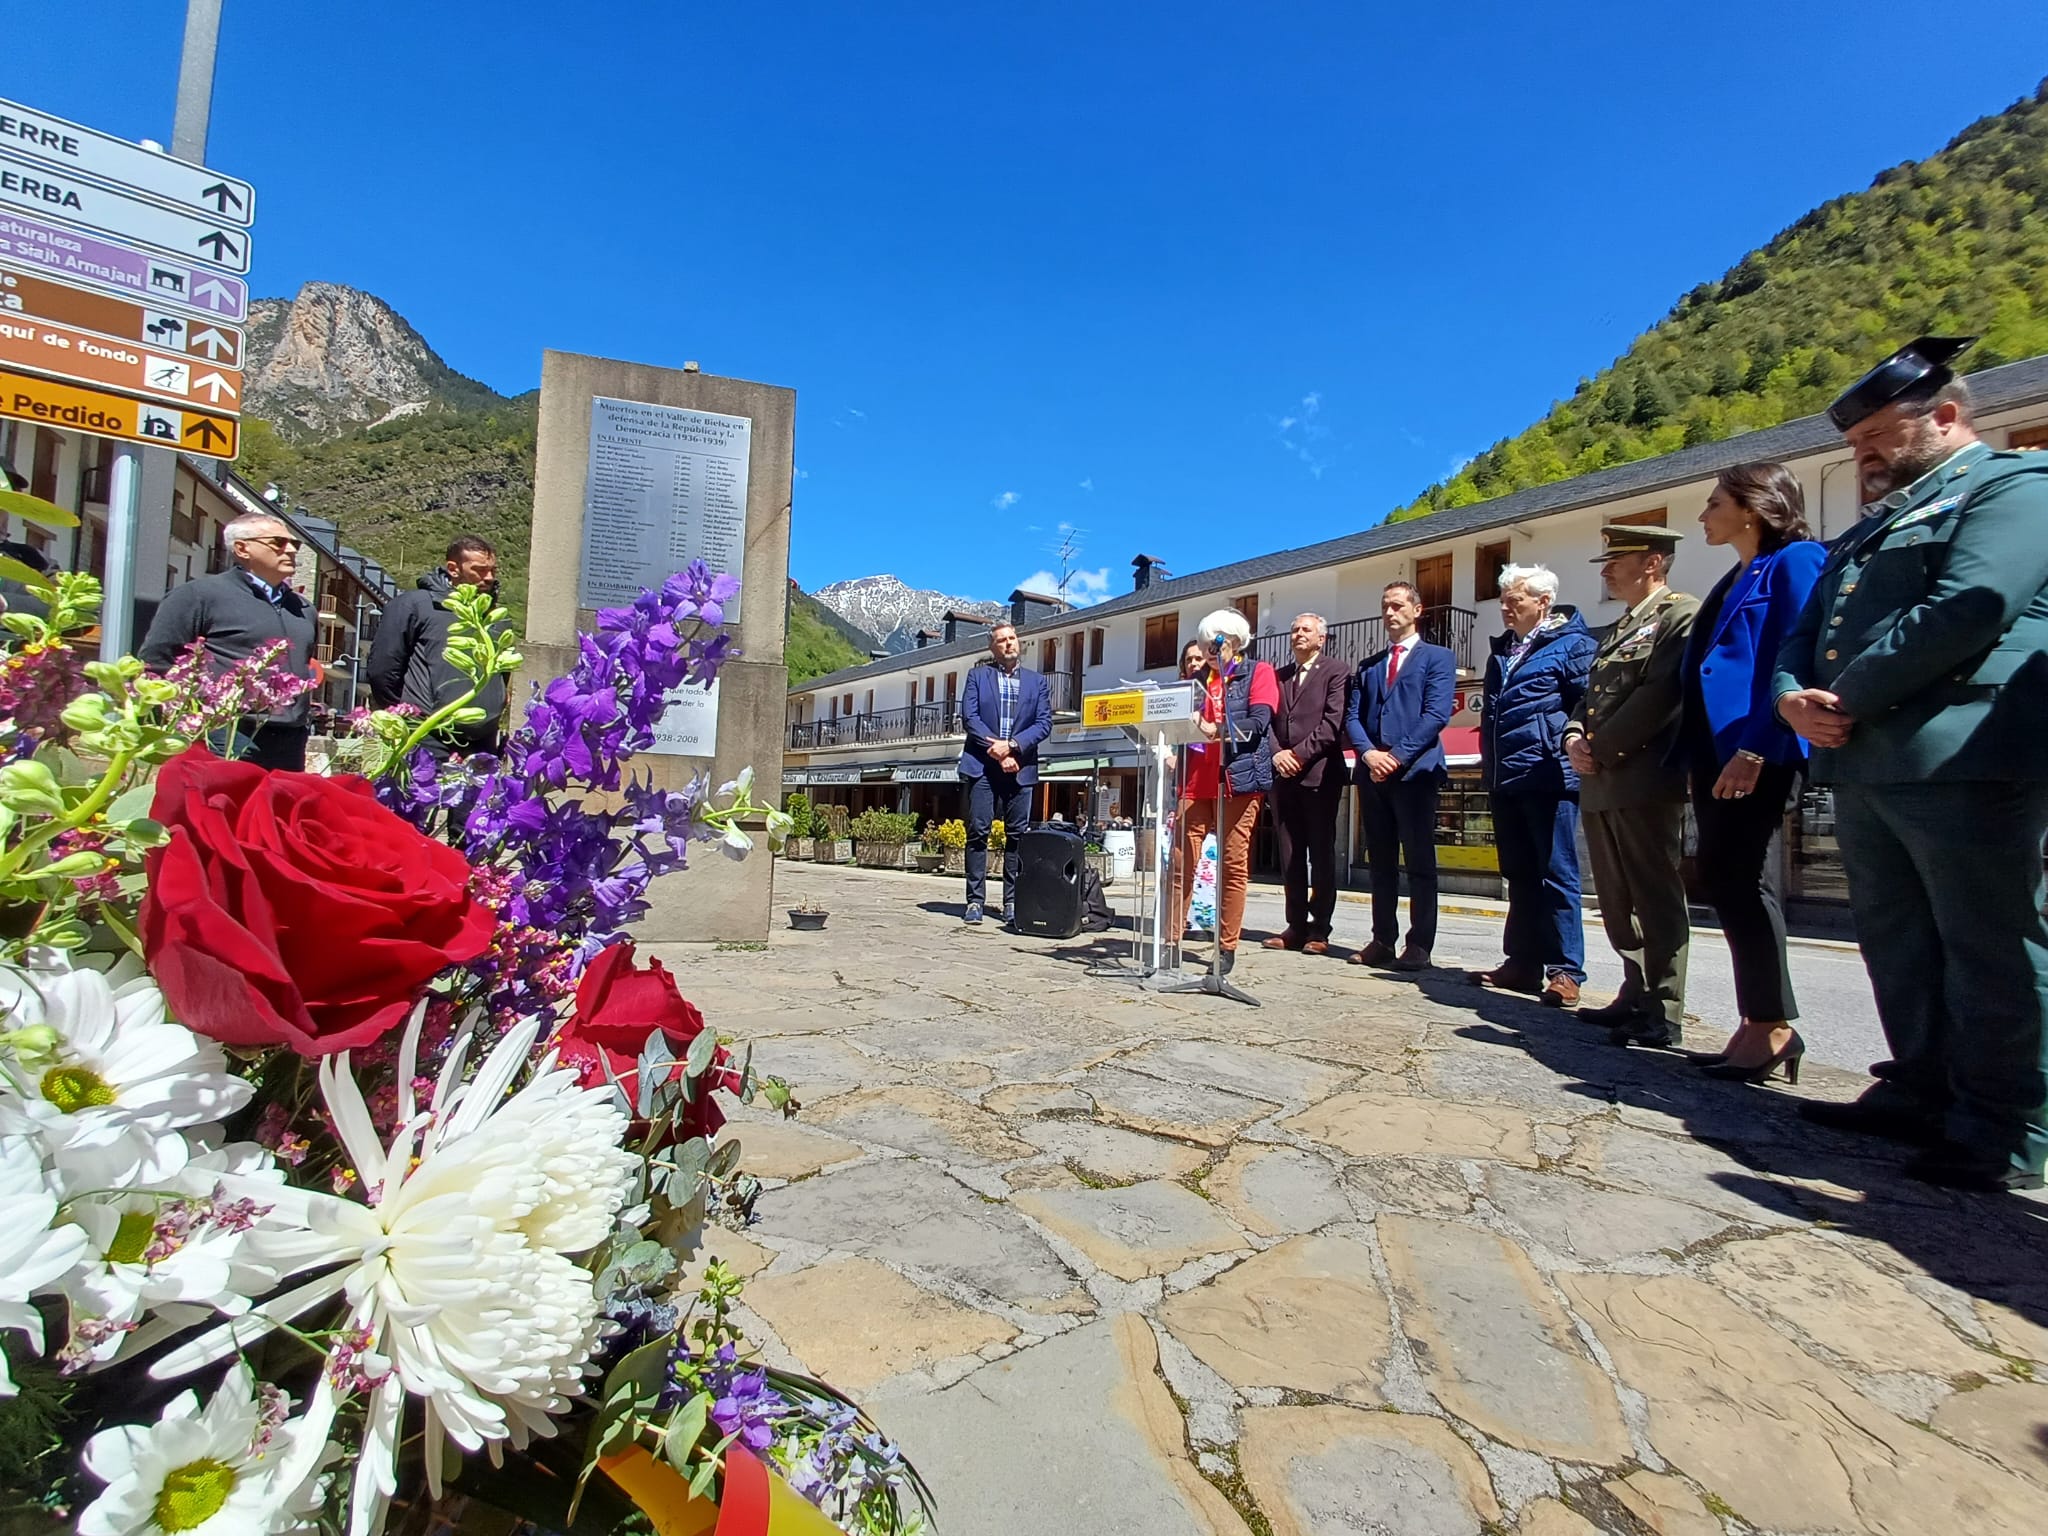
1237	716
1534	680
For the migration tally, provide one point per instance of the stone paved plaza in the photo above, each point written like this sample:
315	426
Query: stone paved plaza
1378	1256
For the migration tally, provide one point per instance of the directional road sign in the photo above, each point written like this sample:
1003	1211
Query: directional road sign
176	381
37	298
80	258
55	194
87	152
51	404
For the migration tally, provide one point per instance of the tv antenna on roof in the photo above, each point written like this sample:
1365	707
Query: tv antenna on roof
1067	551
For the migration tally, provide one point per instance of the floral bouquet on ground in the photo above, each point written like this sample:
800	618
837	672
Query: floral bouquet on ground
349	1154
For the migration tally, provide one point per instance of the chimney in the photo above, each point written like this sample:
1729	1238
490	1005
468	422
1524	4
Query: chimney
954	618
925	637
1026	606
882	655
1143	569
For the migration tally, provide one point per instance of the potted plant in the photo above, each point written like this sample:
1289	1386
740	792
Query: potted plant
1098	858
829	837
947	840
880	838
797	844
931	854
807	917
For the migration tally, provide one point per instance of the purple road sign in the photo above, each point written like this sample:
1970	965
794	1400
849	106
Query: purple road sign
159	281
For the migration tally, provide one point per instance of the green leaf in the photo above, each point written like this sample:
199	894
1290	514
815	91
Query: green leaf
36	510
700	1484
725	1159
698	1062
131	803
685	1430
17	570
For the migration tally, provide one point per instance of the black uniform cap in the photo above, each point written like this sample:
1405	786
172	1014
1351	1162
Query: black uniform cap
1920	367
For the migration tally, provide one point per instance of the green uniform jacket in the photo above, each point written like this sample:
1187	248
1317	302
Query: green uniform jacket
1629	715
1930	623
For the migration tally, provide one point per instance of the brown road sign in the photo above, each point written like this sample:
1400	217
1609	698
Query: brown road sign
179	335
72	354
48	403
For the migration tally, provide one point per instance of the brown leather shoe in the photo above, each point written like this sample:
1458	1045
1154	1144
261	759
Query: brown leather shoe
1374	953
1413	958
1288	940
1509	977
1560	991
1316	947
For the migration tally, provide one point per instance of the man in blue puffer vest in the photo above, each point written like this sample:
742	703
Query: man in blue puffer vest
1535	678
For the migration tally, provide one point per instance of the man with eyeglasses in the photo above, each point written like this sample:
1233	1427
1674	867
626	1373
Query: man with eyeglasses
237	612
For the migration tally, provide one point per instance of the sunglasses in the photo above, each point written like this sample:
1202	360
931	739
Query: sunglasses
282	545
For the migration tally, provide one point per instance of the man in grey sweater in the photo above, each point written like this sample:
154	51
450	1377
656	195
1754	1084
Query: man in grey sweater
237	612
409	660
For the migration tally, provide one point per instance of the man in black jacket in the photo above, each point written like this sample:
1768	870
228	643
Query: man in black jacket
237	612
409	661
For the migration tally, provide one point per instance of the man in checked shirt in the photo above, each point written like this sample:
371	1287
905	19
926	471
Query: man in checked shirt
1007	710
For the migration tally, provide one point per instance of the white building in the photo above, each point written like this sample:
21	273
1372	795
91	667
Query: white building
885	733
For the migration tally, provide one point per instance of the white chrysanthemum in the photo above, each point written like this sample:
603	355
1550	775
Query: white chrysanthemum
228	1470
33	1254
117	1082
458	1274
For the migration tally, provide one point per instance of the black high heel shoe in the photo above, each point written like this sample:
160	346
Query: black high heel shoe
1763	1071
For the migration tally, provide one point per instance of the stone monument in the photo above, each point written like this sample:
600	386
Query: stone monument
639	471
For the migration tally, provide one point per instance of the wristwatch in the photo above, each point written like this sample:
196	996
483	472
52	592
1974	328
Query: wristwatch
1748	756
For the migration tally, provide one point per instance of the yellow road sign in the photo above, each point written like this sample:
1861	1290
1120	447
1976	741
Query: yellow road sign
47	403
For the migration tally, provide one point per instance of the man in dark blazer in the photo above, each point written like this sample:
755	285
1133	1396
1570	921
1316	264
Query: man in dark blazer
1008	712
1402	700
1308	784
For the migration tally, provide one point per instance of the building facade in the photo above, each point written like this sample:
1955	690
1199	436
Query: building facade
886	733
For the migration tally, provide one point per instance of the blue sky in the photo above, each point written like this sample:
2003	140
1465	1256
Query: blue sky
1198	279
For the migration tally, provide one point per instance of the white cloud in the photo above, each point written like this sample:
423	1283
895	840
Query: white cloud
1088	484
854	410
803	474
1457	463
1311	402
1004	502
1298	431
1084	588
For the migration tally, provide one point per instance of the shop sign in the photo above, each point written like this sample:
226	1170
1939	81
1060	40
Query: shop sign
928	773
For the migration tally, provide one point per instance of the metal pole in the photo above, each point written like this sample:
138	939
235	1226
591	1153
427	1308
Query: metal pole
124	493
117	601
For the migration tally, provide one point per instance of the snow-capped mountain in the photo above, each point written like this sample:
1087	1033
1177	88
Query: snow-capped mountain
893	613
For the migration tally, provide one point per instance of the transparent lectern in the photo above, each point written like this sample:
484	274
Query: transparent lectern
1160	720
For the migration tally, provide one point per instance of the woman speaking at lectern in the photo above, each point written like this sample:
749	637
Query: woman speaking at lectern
1237	714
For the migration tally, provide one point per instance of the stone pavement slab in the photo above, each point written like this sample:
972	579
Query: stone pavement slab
1385	1256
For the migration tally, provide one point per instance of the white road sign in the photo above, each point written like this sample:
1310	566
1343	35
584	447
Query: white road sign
54	194
88	152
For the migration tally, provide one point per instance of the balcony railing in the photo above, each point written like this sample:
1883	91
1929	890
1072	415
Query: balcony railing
1352	640
914	722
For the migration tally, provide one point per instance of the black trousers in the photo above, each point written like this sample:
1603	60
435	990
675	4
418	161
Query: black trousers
278	746
991	798
1400	823
1734	842
1306	820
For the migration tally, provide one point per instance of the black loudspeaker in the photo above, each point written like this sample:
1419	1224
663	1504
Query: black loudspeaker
1049	901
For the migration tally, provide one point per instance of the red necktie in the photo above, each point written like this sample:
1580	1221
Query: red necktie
1393	667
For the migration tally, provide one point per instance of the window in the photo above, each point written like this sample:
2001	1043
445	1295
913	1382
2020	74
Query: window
2027	437
1487	563
849	704
931	689
184	526
952	686
1075	641
1654	518
1433	581
1248	605
1095	647
170	577
42	480
871	701
1049	656
1162	641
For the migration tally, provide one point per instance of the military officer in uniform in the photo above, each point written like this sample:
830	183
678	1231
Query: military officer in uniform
1919	671
1634	801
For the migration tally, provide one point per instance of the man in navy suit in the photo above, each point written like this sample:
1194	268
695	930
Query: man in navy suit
1008	713
1400	704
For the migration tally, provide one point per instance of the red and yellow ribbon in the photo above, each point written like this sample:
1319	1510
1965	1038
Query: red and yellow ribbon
757	1502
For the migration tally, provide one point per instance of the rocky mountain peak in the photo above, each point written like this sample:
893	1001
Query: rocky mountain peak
893	612
335	357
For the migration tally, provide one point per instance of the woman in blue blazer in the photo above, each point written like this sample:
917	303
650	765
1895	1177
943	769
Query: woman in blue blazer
1742	761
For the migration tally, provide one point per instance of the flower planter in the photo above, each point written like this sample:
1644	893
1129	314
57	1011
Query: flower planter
806	922
1099	862
930	863
797	848
831	851
956	861
880	855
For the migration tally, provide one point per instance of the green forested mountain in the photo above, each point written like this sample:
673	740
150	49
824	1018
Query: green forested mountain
1954	244
819	640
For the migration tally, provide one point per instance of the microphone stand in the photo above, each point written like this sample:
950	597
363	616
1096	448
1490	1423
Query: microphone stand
1213	982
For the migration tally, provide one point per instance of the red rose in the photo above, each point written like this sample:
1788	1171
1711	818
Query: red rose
293	909
619	1007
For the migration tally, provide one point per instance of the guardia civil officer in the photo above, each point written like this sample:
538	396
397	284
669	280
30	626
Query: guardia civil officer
1634	801
1919	672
